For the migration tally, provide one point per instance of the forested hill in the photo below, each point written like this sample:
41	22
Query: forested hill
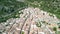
8	7
52	6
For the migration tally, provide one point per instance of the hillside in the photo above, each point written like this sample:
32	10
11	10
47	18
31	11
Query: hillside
9	8
29	16
33	20
52	6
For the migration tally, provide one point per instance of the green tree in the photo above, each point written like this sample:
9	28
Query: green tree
54	28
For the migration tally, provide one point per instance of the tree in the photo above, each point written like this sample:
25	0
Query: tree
54	28
22	32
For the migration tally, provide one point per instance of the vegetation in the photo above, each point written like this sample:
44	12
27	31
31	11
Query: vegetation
22	32
52	6
57	32
43	21
59	26
9	9
38	24
54	28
